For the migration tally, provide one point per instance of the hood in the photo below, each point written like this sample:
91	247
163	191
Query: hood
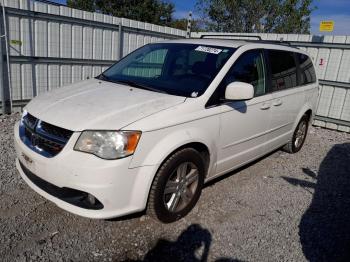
101	105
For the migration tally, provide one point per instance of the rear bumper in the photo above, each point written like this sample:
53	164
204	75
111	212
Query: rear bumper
69	177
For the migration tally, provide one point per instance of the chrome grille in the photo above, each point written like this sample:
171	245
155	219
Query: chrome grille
43	138
29	121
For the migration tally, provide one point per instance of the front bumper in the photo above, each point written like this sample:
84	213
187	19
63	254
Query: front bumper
120	190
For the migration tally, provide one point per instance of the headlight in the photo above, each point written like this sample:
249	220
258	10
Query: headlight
108	144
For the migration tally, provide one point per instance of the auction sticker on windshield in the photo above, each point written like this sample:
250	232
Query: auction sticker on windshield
210	50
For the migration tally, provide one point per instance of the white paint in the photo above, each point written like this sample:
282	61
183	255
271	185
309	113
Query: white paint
239	91
235	133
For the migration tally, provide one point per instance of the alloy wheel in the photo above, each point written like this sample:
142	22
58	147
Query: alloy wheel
181	187
300	134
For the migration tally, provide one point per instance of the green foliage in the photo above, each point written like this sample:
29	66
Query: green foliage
182	24
260	16
86	5
151	11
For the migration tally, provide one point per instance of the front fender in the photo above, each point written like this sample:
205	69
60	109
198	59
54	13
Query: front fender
155	146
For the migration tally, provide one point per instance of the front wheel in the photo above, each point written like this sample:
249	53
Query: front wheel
177	186
299	136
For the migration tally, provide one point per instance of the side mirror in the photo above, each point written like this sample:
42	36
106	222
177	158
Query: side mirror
239	91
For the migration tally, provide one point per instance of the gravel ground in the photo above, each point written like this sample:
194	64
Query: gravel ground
281	208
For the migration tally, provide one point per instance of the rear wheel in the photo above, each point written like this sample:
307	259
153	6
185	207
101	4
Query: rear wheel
177	186
299	136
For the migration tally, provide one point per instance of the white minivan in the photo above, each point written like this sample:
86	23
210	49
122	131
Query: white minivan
154	127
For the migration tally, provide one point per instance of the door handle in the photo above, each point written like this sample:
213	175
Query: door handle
265	106
278	102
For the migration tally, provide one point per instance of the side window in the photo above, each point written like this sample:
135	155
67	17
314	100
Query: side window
249	68
307	70
283	69
149	66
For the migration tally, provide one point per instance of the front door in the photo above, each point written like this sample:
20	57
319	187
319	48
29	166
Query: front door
244	124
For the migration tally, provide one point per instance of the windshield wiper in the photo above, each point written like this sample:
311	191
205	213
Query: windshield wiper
102	76
138	85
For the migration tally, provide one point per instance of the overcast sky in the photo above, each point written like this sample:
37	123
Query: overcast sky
336	10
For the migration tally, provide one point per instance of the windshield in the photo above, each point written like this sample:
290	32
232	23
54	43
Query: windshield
176	69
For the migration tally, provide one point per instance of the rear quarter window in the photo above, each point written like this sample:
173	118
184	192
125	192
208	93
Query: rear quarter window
283	69
307	70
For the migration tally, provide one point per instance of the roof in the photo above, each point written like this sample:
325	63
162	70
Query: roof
235	43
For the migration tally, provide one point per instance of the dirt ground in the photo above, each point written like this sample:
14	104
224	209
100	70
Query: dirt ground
281	208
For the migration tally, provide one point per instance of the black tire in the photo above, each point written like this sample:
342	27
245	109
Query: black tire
189	160
293	146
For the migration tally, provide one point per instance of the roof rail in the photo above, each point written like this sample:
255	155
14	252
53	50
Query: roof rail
258	39
232	35
278	42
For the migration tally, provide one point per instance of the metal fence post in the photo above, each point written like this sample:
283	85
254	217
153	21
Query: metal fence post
189	25
2	77
120	41
5	81
31	47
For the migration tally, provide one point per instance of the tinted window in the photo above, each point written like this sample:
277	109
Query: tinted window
249	68
283	69
307	70
177	69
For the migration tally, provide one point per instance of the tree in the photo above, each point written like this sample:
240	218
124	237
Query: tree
260	16
151	11
86	5
181	23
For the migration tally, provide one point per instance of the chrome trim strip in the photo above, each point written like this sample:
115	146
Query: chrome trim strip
29	144
37	132
40	131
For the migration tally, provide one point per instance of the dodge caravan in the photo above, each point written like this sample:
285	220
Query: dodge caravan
154	127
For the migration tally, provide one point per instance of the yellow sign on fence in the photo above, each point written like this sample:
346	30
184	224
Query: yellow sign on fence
326	26
16	42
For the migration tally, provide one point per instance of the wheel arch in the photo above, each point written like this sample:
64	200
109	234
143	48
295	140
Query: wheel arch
155	151
305	110
200	147
308	113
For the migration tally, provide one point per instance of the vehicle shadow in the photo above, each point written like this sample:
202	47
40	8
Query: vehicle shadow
240	106
127	217
236	171
324	228
193	244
